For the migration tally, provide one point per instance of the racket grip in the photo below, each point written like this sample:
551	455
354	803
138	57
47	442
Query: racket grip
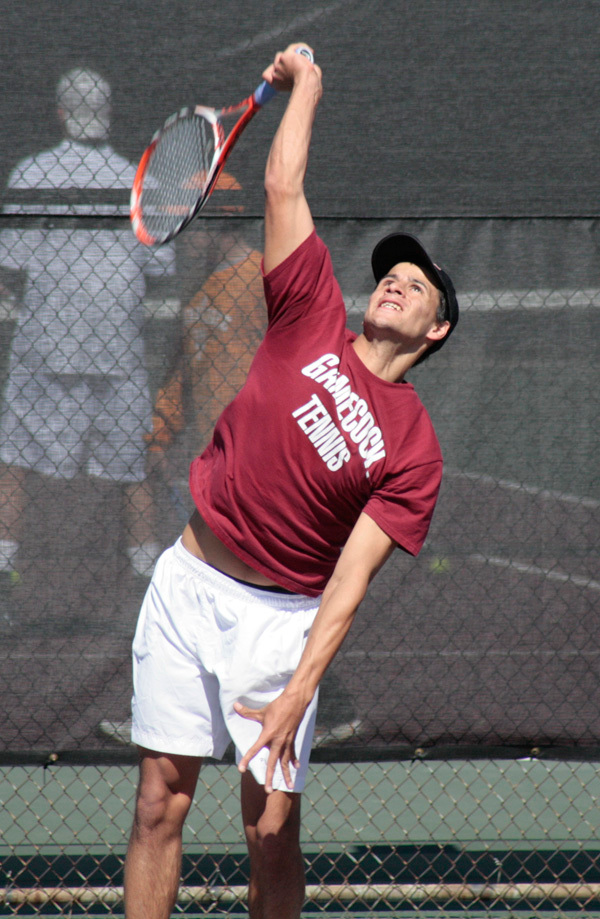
264	93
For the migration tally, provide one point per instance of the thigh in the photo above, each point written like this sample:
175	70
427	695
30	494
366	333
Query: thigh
175	703
259	665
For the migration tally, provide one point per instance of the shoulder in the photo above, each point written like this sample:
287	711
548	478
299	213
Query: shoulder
408	431
304	285
312	247
420	422
308	266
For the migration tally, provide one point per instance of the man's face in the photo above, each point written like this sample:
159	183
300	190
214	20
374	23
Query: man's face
403	306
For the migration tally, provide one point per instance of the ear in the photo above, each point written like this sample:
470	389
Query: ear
438	331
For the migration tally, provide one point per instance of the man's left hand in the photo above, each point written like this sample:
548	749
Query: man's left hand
280	720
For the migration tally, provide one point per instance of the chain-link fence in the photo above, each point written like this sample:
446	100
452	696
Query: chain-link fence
483	646
427	838
459	725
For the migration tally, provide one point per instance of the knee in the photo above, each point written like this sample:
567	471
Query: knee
159	809
276	841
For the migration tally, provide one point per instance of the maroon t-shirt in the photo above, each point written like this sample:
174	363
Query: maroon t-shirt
313	439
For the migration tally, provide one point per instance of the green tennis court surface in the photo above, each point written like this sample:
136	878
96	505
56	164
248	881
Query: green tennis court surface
478	838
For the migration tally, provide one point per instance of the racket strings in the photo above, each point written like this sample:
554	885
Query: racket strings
176	175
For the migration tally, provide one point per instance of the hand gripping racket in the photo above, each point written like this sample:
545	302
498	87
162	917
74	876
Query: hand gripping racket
180	167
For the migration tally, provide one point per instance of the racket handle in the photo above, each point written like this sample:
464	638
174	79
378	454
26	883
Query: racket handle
265	92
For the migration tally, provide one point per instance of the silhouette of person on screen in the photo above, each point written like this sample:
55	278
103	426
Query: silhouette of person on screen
323	464
77	399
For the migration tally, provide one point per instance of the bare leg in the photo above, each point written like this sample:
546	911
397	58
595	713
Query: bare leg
272	827
153	864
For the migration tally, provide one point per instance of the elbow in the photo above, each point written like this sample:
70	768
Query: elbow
279	187
352	589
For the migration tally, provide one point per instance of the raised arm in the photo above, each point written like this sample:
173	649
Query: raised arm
288	220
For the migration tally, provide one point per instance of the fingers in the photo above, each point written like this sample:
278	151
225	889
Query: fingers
278	752
281	748
250	754
285	768
301	47
275	755
284	755
287	64
268	73
252	714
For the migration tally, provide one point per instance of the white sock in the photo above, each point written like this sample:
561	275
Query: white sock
143	558
8	554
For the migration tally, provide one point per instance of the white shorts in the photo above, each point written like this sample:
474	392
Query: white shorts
204	641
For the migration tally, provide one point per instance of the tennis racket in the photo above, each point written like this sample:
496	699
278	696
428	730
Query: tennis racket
180	167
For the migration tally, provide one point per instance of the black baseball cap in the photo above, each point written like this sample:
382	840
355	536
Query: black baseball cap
402	247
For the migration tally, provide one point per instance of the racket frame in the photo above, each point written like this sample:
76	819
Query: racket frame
223	147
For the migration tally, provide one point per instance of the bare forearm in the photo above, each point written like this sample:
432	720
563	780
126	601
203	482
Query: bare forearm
288	157
332	623
288	221
364	554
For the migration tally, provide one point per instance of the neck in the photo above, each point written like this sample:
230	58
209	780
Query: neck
383	358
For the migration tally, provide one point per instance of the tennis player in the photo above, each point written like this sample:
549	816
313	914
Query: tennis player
322	465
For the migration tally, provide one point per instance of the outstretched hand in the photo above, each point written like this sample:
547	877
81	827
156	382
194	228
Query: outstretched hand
280	720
